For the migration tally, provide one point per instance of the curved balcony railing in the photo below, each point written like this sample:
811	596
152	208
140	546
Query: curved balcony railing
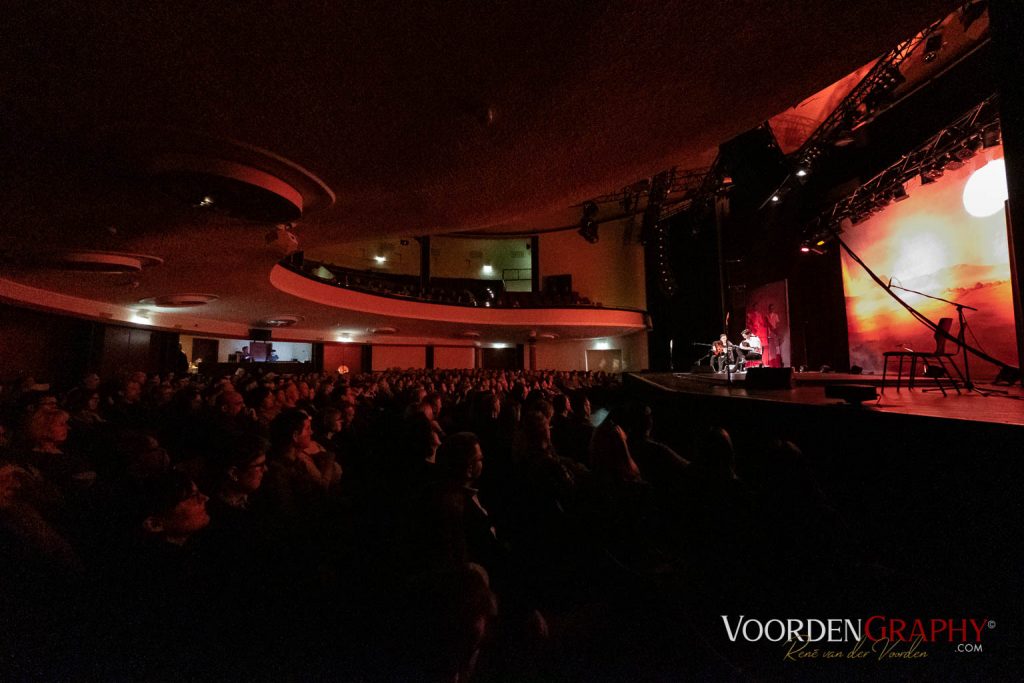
446	291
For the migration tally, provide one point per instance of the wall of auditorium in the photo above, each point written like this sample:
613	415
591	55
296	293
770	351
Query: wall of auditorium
403	357
400	259
453	357
465	258
572	355
50	348
609	272
336	355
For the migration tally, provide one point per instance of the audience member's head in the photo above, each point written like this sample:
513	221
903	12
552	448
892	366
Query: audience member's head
173	507
609	455
291	431
580	405
461	458
230	402
422	438
242	463
47	429
715	455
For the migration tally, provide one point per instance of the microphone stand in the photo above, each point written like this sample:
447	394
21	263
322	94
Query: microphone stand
960	334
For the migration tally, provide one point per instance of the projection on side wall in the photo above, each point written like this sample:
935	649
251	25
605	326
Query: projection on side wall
948	240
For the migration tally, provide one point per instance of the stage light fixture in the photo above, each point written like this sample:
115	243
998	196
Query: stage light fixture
932	47
951	162
899	193
932	173
588	226
801	172
969	149
990	137
804	248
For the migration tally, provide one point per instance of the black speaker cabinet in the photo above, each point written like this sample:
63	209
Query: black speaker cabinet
769	378
256	334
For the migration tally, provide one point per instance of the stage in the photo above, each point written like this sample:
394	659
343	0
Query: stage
808	390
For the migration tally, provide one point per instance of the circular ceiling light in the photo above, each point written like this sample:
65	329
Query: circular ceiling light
179	300
281	321
228	187
107	262
985	191
216	174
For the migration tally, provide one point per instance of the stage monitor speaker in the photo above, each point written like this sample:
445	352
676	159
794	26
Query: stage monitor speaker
256	334
769	378
851	393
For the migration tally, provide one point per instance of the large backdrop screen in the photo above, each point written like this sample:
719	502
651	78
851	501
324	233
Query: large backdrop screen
931	243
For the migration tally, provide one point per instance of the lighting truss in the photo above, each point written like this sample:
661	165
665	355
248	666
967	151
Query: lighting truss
949	146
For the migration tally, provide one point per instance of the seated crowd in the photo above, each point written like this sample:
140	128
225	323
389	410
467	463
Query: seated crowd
449	291
401	525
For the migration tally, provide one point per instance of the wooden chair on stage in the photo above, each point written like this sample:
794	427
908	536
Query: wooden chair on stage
937	370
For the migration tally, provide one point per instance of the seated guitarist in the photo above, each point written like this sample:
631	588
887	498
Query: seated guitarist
750	347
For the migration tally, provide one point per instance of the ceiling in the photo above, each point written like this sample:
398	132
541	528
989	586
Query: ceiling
421	118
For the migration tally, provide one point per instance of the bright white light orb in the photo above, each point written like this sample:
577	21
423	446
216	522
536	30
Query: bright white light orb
985	190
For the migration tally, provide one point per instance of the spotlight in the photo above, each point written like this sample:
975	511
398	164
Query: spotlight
952	163
487	269
932	173
971	147
899	193
990	137
804	248
801	172
380	259
775	197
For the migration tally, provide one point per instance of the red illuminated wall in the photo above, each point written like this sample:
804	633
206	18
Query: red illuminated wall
336	355
453	357
403	357
931	244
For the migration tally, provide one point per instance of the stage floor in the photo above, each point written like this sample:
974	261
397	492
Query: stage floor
809	389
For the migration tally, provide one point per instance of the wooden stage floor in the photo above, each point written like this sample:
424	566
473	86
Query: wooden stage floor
809	389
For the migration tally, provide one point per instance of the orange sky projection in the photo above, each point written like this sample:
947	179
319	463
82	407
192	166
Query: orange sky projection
931	244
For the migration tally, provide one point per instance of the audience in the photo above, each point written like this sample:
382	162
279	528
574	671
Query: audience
398	525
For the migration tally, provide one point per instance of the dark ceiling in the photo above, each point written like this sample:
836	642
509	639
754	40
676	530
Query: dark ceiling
422	117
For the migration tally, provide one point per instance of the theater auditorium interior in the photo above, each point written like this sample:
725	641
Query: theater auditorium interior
491	340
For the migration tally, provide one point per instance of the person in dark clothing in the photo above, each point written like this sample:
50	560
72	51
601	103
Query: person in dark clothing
180	363
158	605
572	434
